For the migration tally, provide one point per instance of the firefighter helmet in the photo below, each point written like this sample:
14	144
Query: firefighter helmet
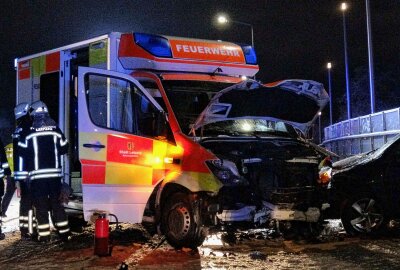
21	110
38	107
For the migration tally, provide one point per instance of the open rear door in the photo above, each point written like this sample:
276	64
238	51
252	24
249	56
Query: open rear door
118	149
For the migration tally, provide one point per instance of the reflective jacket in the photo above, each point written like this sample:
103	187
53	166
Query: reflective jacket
20	172
4	167
40	150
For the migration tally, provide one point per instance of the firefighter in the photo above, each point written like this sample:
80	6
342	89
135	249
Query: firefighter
23	122
4	171
42	148
10	184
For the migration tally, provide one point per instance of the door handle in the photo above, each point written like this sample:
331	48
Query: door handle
91	145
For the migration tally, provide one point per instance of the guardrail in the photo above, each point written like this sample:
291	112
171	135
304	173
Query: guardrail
362	134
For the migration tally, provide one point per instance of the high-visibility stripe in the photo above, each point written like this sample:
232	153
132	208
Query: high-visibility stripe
63	231
62	223
42	171
24	74
55	150
53	62
36	153
44	226
46	233
48	175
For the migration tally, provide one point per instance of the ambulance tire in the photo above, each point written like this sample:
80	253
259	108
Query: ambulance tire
179	222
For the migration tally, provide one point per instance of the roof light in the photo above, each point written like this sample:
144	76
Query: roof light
249	54
156	45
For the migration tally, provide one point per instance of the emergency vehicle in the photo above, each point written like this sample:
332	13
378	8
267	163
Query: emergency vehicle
153	139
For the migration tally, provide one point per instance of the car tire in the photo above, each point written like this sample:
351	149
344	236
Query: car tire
363	215
181	224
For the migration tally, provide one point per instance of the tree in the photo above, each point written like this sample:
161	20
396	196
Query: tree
386	92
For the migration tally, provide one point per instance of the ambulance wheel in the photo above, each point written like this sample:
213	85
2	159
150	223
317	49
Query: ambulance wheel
180	224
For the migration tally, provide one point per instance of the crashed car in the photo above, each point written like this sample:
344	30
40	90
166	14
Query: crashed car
365	189
271	175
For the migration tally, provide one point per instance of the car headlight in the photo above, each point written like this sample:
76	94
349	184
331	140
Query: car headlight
325	175
226	171
325	171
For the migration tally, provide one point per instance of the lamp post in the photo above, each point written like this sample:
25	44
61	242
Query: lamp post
319	127
343	7
222	19
370	58
329	67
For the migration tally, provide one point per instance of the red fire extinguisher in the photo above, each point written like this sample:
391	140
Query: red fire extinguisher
101	235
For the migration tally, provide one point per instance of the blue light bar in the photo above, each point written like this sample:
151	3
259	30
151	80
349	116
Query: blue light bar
156	45
249	54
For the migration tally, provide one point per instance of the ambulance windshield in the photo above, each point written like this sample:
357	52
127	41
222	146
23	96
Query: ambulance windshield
189	98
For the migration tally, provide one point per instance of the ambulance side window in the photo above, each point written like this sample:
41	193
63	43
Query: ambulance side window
119	105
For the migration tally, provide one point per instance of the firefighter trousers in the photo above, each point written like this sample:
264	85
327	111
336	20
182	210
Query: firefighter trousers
25	205
46	197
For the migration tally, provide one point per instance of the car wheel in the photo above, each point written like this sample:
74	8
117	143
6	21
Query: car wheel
363	215
181	224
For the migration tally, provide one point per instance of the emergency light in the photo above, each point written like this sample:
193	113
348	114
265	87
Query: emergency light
249	54
156	45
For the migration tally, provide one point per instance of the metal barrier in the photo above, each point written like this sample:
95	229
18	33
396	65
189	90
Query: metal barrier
362	134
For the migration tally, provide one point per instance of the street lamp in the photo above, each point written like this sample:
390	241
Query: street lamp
329	67
319	126
370	58
222	19
343	7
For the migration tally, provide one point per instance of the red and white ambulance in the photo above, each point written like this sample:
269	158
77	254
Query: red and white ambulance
147	145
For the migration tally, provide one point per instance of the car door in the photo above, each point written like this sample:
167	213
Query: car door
120	151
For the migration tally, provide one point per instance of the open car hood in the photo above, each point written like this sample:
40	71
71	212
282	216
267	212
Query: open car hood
296	102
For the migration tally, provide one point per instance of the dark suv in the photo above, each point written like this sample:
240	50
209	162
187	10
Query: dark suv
366	189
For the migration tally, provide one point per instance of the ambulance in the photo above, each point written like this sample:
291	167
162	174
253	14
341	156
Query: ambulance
134	107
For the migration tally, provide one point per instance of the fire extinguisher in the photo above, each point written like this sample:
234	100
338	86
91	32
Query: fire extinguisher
101	245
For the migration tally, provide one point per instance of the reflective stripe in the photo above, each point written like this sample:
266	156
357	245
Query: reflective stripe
46	176
44	226
55	170
62	223
63	143
55	150
43	133
36	150
5	165
63	231
44	233
24	145
23	218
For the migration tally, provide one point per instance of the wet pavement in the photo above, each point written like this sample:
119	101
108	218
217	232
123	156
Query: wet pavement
256	249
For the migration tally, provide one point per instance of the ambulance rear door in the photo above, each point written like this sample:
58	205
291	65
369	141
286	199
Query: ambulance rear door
120	148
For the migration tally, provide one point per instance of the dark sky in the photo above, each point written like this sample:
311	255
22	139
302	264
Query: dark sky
293	38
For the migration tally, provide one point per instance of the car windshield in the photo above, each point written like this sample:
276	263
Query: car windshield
248	127
189	98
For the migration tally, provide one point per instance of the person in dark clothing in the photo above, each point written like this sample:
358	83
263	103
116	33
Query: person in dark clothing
4	170
9	189
41	149
26	224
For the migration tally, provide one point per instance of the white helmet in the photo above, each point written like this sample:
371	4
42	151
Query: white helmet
38	107
21	110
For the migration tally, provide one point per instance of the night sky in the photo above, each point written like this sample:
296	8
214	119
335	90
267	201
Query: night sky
293	38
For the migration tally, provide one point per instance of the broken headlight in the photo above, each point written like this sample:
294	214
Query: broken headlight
325	171
226	172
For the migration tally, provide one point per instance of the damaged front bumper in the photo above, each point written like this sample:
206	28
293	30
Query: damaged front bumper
270	212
